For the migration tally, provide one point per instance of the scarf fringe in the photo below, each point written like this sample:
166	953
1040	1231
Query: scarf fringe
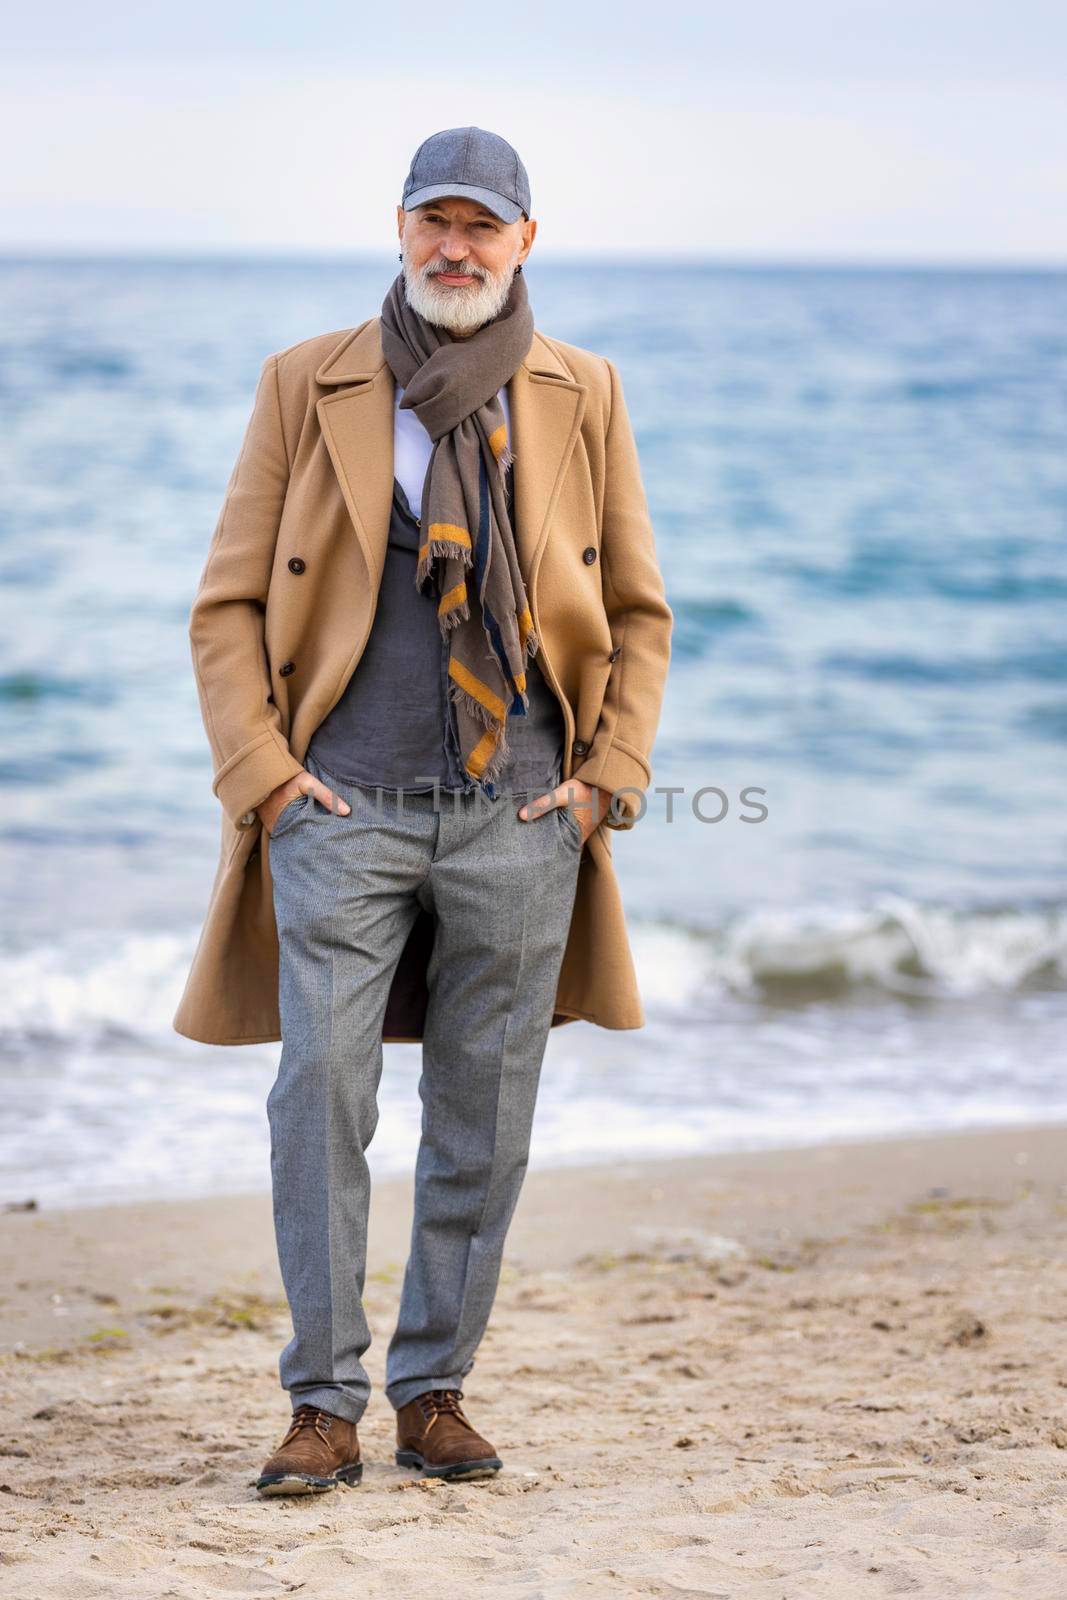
452	618
448	547
497	761
482	714
440	547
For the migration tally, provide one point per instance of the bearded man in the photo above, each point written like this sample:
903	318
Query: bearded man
430	643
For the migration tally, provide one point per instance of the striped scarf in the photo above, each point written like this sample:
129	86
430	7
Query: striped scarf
468	552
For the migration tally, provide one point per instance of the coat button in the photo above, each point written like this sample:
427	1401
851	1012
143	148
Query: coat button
296	564
287	667
615	652
580	747
589	555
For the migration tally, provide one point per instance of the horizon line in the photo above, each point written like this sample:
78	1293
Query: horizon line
207	255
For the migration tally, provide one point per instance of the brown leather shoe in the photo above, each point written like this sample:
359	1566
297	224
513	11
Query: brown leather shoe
318	1452
433	1435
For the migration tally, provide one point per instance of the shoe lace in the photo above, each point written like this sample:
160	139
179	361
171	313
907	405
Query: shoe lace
440	1403
308	1416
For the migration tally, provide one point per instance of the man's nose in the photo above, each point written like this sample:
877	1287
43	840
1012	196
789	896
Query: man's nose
454	249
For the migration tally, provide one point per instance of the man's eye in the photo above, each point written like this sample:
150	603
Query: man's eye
435	221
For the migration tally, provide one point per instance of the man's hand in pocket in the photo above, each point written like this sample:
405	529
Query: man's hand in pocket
300	783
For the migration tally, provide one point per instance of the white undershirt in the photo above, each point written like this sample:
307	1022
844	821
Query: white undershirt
412	448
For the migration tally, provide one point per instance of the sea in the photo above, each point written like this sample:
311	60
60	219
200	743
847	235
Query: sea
847	897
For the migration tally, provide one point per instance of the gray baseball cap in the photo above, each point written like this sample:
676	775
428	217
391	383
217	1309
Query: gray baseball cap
473	164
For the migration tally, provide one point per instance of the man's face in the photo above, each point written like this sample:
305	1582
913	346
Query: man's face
459	260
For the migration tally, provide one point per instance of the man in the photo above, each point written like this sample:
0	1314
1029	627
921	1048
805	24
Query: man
430	643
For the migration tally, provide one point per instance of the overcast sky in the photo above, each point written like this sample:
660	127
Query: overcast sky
917	130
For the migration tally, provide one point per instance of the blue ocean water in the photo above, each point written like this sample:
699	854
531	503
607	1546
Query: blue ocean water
858	481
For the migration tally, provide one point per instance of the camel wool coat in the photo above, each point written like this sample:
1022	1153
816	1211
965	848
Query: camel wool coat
285	606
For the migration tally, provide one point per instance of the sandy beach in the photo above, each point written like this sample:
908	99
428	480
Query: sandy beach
831	1371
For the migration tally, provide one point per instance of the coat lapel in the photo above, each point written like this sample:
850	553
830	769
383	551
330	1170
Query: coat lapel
547	407
356	420
357	425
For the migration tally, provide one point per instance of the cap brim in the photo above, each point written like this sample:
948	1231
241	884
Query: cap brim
506	210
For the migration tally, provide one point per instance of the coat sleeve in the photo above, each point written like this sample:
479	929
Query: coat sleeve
226	625
619	756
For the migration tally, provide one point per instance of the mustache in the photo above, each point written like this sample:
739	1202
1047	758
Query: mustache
474	272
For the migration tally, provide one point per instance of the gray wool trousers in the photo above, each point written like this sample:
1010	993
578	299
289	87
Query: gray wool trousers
346	892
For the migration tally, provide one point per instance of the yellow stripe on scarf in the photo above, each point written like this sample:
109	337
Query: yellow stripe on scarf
455	597
525	622
481	753
445	530
498	440
477	689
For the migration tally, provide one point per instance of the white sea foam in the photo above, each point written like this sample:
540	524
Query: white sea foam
777	1029
894	945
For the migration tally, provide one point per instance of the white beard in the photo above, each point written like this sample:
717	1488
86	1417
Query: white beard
460	310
